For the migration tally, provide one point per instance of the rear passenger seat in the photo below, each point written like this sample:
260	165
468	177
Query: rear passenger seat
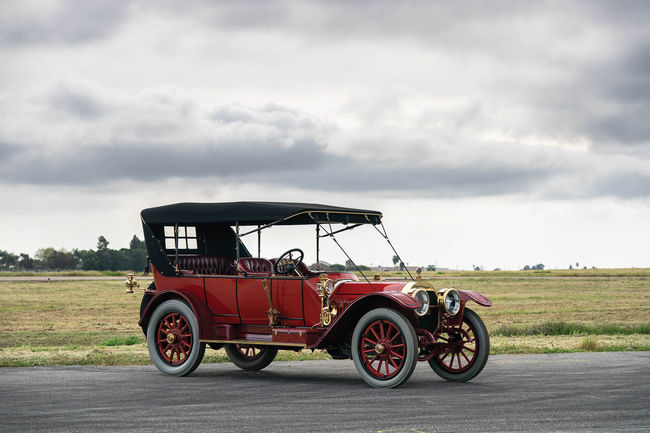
205	265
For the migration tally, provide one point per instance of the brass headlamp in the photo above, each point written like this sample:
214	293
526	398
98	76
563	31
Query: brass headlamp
423	292
449	300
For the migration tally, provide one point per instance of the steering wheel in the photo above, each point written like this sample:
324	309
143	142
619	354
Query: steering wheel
286	264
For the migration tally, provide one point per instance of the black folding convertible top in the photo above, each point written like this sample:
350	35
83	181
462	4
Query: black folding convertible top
257	213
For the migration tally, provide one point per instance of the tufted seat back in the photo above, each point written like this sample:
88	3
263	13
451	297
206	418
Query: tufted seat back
252	266
206	265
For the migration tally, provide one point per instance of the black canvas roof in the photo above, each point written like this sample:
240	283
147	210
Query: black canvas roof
257	213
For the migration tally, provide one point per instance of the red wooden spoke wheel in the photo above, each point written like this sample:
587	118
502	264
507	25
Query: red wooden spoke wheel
248	357
465	349
248	352
174	338
383	349
462	340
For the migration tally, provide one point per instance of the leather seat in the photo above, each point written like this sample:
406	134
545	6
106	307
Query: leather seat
255	267
206	265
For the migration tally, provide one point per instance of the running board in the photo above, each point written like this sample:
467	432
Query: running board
236	334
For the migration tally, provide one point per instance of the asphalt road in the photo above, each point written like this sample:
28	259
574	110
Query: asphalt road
602	392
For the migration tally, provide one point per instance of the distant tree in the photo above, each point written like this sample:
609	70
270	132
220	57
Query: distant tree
570	266
88	259
584	267
401	266
395	260
539	267
102	243
44	254
56	259
478	268
431	267
577	265
8	260
526	268
336	267
136	244
25	262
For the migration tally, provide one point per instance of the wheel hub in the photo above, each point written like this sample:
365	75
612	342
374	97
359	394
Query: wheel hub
379	348
171	338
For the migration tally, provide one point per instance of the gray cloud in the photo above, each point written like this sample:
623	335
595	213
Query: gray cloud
162	135
73	101
578	70
28	22
550	72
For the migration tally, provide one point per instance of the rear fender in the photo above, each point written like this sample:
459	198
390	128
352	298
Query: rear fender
346	321
199	308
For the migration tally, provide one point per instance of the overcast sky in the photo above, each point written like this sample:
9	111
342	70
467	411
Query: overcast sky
491	133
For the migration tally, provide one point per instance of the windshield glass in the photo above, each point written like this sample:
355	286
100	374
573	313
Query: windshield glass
365	246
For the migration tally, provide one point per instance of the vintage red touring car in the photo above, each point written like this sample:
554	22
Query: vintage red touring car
209	290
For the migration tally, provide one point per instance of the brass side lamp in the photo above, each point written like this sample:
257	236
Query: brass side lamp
130	282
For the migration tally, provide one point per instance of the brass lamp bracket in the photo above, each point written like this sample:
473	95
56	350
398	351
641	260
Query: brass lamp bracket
327	311
272	313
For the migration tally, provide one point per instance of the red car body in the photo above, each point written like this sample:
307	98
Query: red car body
217	294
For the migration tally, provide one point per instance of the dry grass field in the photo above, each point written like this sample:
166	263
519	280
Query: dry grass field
94	322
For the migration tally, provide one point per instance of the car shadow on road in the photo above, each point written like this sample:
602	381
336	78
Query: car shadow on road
334	376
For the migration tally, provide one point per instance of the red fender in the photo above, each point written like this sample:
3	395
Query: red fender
201	311
345	322
468	295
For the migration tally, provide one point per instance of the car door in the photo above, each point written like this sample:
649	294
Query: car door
286	296
221	296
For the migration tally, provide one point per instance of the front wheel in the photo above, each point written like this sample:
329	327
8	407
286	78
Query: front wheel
249	357
384	348
173	339
468	349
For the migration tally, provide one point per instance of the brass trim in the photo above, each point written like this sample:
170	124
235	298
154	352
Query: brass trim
415	286
255	343
309	212
327	311
272	313
414	295
410	287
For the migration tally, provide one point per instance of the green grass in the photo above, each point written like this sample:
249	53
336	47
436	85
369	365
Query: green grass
563	328
63	273
123	341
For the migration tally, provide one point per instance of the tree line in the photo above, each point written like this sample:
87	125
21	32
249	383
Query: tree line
101	259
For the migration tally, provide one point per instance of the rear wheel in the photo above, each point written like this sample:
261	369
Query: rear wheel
173	339
469	347
384	348
249	357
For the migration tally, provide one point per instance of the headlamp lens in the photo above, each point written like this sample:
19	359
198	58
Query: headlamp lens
452	302
423	297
